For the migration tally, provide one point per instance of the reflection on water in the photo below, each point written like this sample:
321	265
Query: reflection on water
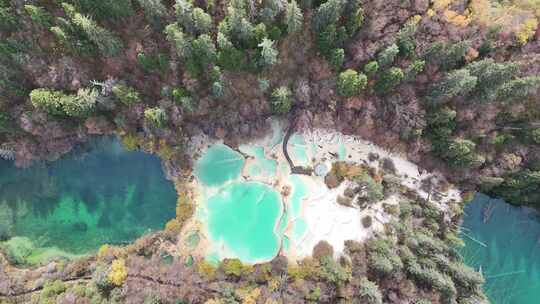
503	241
95	195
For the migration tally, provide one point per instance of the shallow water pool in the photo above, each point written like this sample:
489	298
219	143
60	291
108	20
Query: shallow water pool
243	219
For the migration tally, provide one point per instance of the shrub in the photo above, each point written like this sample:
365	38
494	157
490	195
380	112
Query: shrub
405	41
101	281
232	267
314	295
333	272
179	93
149	63
367	221
355	18
371	68
519	88
39	15
49	100
281	100
350	83
389	80
434	52
387	56
264	85
454	55
118	272
52	289
217	89
155	116
368	292
305	268
322	250
80	105
414	69
527	31
105	9
206	269
126	95
8	19
461	153
382	257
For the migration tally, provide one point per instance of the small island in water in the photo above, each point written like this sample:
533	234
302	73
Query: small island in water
270	152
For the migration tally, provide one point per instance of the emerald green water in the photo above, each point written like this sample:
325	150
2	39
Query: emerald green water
243	219
247	218
218	165
510	259
99	194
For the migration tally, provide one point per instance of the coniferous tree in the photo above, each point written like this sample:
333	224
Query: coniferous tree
269	55
389	80
405	41
354	15
327	14
107	43
337	58
181	43
202	22
455	83
154	11
293	17
491	75
387	56
281	100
